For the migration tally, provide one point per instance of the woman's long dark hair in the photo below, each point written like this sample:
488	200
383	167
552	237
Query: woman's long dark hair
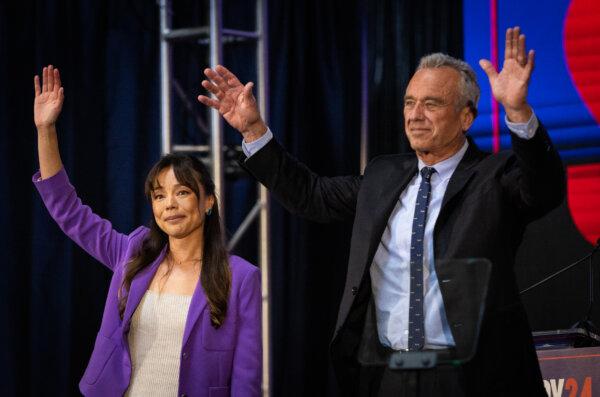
215	275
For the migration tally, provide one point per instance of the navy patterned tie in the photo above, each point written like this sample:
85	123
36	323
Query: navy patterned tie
416	318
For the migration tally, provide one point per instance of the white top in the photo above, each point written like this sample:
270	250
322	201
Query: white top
155	339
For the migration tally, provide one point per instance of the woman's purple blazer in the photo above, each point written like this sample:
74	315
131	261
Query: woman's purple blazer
214	362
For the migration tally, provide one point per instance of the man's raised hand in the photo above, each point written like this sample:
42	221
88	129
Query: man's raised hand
509	87
234	101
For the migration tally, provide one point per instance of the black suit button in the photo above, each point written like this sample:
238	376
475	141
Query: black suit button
354	290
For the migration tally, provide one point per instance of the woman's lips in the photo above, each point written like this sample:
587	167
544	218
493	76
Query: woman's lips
174	218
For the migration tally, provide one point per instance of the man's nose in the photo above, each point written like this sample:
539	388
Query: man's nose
416	112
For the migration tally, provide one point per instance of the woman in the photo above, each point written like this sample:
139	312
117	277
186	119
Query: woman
181	317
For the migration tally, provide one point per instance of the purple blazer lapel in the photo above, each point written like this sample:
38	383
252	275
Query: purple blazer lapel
197	306
139	285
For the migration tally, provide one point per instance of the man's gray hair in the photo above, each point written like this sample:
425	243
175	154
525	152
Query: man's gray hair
468	87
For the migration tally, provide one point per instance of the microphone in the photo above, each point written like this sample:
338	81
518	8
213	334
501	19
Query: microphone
553	275
587	323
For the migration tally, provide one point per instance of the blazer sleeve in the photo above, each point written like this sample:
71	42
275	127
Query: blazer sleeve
91	232
535	178
246	376
301	191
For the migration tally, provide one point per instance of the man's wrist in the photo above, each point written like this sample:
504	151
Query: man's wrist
254	131
519	115
250	148
523	130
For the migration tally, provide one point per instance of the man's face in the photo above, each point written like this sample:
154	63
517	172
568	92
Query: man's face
433	119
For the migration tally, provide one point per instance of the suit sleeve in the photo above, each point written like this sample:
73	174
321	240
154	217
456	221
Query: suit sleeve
92	233
301	191
535	178
246	376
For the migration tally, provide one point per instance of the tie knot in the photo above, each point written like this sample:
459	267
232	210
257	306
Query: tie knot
426	172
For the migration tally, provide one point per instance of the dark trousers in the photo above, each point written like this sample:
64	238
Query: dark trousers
384	382
377	380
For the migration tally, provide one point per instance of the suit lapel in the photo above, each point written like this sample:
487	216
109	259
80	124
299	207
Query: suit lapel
388	191
197	306
382	190
140	284
463	173
383	202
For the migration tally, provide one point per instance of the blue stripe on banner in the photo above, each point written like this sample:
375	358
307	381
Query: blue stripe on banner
552	93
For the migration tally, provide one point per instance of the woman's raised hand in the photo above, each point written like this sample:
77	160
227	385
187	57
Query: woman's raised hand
49	97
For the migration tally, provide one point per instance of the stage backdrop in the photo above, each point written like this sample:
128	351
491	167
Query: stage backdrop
564	93
52	293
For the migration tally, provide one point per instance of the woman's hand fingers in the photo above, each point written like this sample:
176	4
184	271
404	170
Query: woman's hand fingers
51	82
36	85
57	82
44	80
50	78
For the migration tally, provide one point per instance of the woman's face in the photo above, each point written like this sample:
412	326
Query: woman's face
176	208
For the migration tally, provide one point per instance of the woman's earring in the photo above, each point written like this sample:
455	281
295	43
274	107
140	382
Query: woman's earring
209	211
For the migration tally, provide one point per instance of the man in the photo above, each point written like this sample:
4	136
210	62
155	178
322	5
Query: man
412	212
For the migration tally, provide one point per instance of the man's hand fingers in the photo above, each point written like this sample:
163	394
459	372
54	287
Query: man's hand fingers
521	55
488	68
213	89
216	79
515	42
213	103
229	77
247	95
36	85
508	44
530	61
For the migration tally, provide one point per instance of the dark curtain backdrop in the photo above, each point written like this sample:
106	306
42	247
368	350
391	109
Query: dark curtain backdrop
315	113
399	34
52	293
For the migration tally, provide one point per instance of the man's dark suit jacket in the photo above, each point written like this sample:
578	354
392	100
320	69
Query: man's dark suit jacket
488	203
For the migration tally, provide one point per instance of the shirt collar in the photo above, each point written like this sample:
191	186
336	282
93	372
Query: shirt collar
445	168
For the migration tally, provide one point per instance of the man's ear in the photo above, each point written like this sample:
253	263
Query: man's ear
466	118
